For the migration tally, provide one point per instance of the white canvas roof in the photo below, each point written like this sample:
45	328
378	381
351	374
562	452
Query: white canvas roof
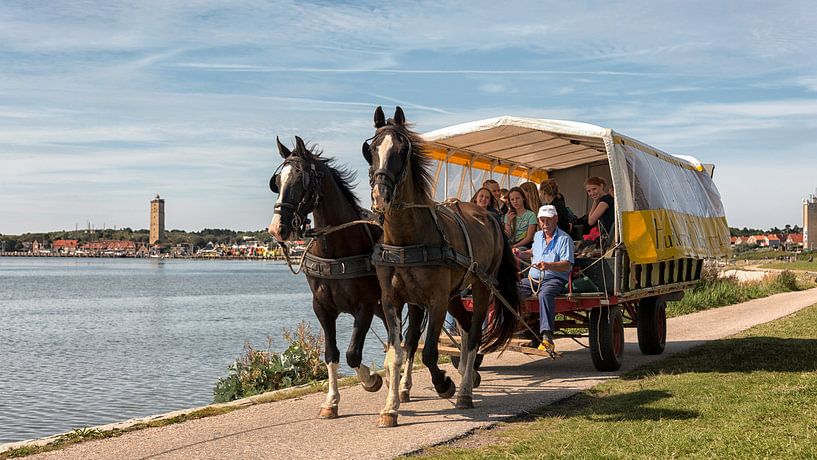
536	143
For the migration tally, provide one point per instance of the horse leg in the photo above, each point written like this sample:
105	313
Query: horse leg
443	384
394	356
470	346
415	323
354	355
329	408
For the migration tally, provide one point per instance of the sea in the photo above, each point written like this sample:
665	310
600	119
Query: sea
90	341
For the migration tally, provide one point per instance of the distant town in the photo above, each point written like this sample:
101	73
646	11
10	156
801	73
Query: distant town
224	243
155	242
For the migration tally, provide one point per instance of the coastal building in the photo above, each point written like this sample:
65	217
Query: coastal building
157	220
810	223
64	246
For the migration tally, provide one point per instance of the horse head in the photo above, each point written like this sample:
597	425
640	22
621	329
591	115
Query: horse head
297	183
388	156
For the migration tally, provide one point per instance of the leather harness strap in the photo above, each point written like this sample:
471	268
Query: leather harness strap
420	254
340	268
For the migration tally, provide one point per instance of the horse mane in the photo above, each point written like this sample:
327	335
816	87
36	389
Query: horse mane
343	177
419	161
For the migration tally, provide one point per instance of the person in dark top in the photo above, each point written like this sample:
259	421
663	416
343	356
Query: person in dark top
603	210
549	192
493	187
485	199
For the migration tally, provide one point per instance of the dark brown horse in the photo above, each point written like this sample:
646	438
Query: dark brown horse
429	252
338	264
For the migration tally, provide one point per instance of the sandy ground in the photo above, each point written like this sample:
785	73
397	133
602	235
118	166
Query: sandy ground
511	385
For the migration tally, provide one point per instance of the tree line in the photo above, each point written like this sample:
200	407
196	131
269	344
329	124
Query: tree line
141	236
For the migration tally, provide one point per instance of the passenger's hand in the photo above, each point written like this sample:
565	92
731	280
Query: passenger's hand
541	265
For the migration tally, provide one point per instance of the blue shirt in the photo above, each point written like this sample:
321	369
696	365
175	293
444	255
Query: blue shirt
560	248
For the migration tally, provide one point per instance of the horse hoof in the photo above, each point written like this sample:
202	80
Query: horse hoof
328	412
405	396
477	379
464	402
447	394
387	421
378	382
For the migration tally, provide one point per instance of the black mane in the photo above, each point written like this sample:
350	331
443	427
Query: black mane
419	162
343	177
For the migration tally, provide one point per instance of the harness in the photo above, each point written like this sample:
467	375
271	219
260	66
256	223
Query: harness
311	265
441	255
311	182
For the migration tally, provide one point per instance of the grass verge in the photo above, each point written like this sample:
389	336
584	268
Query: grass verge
799	265
752	395
714	292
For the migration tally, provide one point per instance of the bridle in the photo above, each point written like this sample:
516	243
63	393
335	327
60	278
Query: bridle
311	183
383	176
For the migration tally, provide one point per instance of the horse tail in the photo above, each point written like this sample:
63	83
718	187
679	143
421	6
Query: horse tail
503	321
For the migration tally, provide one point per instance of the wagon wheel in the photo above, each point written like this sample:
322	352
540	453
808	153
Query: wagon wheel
607	337
455	361
652	325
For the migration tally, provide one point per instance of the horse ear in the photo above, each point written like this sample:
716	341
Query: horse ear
379	117
285	152
367	153
300	145
399	117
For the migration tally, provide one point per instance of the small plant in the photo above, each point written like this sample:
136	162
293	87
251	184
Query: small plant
260	371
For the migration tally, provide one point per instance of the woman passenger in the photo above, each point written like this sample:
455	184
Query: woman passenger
549	191
602	212
485	200
520	221
532	195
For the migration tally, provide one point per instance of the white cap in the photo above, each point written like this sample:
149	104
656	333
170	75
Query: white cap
547	210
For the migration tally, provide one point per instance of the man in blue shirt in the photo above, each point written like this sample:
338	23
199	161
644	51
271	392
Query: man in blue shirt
551	262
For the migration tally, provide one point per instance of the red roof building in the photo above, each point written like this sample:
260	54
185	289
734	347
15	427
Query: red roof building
64	245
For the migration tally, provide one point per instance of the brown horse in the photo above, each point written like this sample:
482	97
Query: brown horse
338	266
429	252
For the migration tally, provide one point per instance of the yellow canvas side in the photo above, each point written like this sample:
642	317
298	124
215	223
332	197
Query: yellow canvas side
658	235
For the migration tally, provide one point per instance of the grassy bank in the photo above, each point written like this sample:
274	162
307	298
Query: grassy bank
753	395
714	292
799	265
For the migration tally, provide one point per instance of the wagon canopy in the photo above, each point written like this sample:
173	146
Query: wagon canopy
667	207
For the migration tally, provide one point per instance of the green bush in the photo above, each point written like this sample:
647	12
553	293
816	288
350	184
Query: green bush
260	371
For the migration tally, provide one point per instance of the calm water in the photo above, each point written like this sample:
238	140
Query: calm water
91	341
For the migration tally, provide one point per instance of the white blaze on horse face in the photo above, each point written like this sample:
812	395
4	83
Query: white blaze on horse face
275	225
383	151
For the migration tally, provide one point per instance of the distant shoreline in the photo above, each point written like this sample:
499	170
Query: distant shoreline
104	256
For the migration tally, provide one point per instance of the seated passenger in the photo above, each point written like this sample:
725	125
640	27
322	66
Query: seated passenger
549	191
485	199
551	263
520	221
532	195
603	210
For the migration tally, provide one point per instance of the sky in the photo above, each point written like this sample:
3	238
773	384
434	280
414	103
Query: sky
105	104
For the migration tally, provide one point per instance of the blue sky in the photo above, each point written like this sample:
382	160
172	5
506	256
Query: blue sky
105	104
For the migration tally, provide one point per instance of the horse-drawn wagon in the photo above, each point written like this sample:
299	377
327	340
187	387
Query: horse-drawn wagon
668	219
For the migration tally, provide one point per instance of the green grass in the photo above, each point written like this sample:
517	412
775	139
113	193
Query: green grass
718	292
799	265
753	395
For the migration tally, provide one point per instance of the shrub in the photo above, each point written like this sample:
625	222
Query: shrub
259	371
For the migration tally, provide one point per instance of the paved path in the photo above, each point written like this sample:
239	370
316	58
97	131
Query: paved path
511	384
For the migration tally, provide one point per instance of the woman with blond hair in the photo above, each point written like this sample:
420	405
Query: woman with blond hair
532	194
602	212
